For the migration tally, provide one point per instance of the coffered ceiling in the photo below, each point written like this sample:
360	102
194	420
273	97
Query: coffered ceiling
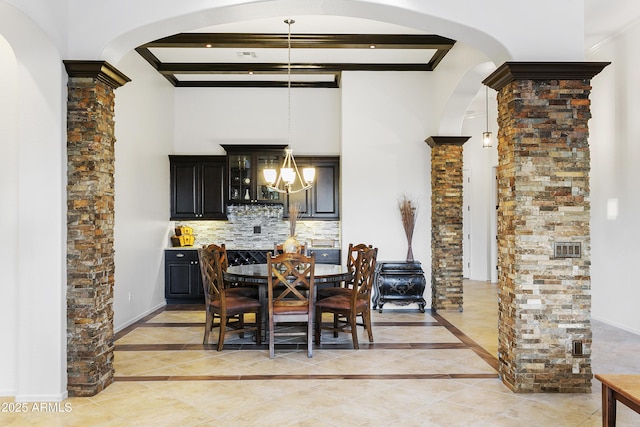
243	59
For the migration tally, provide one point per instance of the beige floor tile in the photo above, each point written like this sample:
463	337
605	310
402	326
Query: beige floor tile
339	401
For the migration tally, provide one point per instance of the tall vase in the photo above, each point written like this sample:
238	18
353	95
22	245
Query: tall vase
410	252
291	245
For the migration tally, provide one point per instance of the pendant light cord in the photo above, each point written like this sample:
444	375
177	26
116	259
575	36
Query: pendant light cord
486	100
289	22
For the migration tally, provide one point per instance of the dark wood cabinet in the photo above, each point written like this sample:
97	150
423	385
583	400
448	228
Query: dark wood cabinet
198	189
245	166
322	200
326	256
398	282
183	280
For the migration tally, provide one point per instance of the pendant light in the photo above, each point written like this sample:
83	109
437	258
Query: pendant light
486	136
289	171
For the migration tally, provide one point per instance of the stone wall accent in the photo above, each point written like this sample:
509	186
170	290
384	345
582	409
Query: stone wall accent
446	221
543	197
90	220
237	232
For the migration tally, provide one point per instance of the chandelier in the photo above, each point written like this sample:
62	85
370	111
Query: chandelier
289	171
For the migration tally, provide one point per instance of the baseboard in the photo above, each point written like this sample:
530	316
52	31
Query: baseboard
42	397
118	328
8	392
616	325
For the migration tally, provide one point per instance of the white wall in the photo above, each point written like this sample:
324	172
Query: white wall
615	151
208	117
144	138
384	156
8	219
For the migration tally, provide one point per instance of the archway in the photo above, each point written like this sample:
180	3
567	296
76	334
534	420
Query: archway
34	306
8	216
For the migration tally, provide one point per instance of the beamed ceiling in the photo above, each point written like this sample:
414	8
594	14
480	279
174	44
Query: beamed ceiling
261	60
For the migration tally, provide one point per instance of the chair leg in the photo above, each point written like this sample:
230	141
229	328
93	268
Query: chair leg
272	353
310	335
318	325
354	330
207	326
223	329
258	329
335	325
366	319
241	323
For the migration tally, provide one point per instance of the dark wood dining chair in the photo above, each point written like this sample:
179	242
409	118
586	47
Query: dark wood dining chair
223	259
350	305
345	287
291	296
229	307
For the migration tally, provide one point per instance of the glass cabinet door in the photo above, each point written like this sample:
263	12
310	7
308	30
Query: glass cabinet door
240	177
266	161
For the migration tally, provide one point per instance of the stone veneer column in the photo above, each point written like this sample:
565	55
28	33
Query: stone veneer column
90	218
446	221
543	197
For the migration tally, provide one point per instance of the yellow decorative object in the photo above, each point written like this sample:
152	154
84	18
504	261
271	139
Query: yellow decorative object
184	230
183	240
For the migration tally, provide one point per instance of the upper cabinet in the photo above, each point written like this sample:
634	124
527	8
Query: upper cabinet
198	189
322	200
202	186
245	164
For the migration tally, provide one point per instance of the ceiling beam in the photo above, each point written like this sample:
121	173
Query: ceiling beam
304	41
441	45
276	68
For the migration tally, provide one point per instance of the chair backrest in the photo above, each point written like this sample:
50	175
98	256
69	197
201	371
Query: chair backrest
364	266
352	254
211	270
221	252
291	282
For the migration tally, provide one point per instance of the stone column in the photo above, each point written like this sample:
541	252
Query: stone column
446	221
544	330
90	217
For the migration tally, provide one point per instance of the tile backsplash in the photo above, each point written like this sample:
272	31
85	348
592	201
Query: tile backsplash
238	232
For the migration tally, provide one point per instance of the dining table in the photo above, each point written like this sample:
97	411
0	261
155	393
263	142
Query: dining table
325	275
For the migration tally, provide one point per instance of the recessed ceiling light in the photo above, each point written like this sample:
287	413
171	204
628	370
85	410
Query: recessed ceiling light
373	46
207	45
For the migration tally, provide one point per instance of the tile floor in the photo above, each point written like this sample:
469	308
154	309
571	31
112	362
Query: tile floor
424	369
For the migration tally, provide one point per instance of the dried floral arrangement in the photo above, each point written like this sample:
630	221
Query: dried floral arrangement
294	214
408	213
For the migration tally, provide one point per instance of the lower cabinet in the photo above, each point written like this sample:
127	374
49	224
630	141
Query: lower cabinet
182	277
183	280
326	256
